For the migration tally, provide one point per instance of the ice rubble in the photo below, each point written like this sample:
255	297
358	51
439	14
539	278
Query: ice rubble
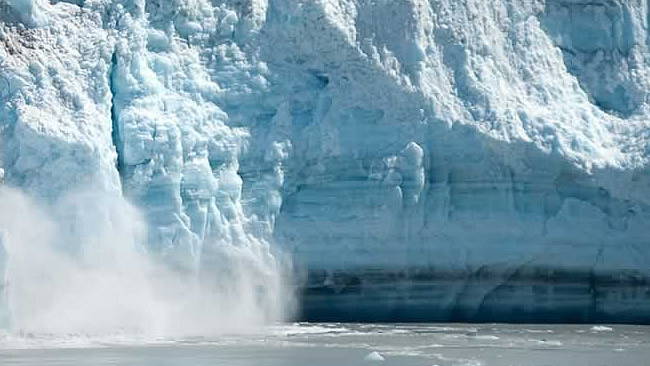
460	136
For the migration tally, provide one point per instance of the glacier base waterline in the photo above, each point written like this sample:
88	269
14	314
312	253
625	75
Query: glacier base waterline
486	141
490	295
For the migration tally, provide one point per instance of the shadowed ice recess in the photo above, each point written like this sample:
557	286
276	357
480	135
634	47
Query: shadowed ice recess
419	160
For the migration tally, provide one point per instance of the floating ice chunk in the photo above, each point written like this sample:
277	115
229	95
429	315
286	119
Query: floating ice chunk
488	337
601	328
374	356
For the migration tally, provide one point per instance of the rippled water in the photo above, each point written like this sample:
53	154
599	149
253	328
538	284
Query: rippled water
349	344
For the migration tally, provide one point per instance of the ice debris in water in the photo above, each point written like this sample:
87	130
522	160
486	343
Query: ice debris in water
601	328
374	356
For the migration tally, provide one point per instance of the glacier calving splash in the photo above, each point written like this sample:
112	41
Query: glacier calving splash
428	159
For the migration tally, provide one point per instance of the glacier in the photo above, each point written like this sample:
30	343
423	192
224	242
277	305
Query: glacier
418	159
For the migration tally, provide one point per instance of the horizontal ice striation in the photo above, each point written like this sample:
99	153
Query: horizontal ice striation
488	148
522	170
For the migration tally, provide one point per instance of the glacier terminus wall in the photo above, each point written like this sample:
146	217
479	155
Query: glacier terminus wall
418	159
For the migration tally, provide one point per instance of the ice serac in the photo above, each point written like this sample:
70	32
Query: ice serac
420	160
105	100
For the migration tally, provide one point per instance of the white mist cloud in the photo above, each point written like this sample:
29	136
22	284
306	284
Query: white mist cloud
81	266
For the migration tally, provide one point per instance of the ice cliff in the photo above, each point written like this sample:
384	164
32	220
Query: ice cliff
419	159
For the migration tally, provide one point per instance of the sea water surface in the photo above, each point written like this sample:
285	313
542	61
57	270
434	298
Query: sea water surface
334	344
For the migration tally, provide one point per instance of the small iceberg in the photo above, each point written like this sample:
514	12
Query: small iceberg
601	328
374	356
